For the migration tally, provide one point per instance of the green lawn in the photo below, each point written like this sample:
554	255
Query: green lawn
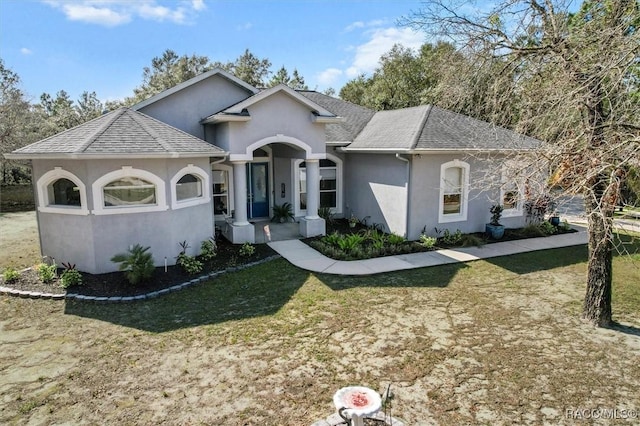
487	342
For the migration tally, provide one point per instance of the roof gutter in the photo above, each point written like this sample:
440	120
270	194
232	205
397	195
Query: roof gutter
102	156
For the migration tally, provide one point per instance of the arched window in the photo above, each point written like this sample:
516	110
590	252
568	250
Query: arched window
454	189
189	187
330	185
60	191
63	192
128	190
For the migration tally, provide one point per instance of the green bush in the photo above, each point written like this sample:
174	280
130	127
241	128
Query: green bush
208	249
137	264
70	278
452	239
10	275
247	250
547	228
332	239
427	242
395	239
325	213
471	240
190	264
532	230
349	242
47	273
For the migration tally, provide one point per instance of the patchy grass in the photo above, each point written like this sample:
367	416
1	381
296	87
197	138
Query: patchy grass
488	342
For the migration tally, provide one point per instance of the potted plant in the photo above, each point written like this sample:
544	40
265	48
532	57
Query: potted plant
282	213
494	228
554	219
353	221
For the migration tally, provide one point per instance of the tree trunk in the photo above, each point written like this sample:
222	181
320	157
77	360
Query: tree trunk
597	300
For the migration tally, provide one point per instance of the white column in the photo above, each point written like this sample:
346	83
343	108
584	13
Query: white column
313	188
240	193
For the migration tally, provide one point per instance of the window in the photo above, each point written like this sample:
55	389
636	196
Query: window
510	194
330	183
454	177
189	186
129	191
60	191
63	192
221	192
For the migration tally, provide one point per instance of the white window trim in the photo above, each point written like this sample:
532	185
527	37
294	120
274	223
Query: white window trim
464	208
504	179
296	184
128	171
204	181
230	193
43	193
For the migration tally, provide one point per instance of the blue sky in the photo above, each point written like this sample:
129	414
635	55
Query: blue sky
103	45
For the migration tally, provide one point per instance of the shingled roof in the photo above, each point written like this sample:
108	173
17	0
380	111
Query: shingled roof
355	117
446	130
120	133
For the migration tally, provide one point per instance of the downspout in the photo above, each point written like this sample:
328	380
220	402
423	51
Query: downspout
407	213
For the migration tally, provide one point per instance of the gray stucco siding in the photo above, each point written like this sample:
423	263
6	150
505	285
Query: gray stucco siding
185	108
91	240
376	186
484	191
277	115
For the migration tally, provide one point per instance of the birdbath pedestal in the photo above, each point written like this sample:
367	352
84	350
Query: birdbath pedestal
357	402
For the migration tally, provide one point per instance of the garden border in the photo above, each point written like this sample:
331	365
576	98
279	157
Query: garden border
7	291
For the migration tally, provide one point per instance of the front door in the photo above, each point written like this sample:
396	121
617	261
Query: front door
258	190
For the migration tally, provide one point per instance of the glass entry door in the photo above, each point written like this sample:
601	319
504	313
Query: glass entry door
258	190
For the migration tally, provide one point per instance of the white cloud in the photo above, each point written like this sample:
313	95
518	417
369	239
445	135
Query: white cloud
26	51
367	55
329	76
111	13
198	5
244	27
359	24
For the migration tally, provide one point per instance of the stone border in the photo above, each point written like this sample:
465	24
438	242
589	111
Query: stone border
6	291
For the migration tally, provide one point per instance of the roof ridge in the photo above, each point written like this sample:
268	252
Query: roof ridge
149	130
100	130
423	122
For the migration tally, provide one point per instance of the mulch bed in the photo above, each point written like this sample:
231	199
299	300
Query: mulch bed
115	284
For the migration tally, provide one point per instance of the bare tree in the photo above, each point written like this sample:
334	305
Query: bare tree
569	79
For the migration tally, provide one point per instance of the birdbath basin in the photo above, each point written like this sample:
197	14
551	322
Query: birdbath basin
357	402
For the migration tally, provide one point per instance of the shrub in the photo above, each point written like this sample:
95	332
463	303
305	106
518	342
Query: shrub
427	242
247	250
70	277
332	239
451	239
137	264
395	239
471	240
282	213
10	275
547	228
349	242
190	264
564	226
47	273
208	249
496	214
532	230
325	213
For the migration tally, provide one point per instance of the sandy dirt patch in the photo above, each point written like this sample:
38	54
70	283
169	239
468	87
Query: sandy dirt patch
19	242
488	346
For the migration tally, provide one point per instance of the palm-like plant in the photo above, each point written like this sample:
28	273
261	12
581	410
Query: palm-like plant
137	264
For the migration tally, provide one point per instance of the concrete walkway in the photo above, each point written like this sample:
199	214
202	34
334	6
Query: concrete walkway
305	257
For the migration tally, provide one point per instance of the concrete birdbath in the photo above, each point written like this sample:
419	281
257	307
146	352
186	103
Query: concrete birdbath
356	402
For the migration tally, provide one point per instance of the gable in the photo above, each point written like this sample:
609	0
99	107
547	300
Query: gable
184	105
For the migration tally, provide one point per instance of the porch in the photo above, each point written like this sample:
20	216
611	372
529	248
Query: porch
265	231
